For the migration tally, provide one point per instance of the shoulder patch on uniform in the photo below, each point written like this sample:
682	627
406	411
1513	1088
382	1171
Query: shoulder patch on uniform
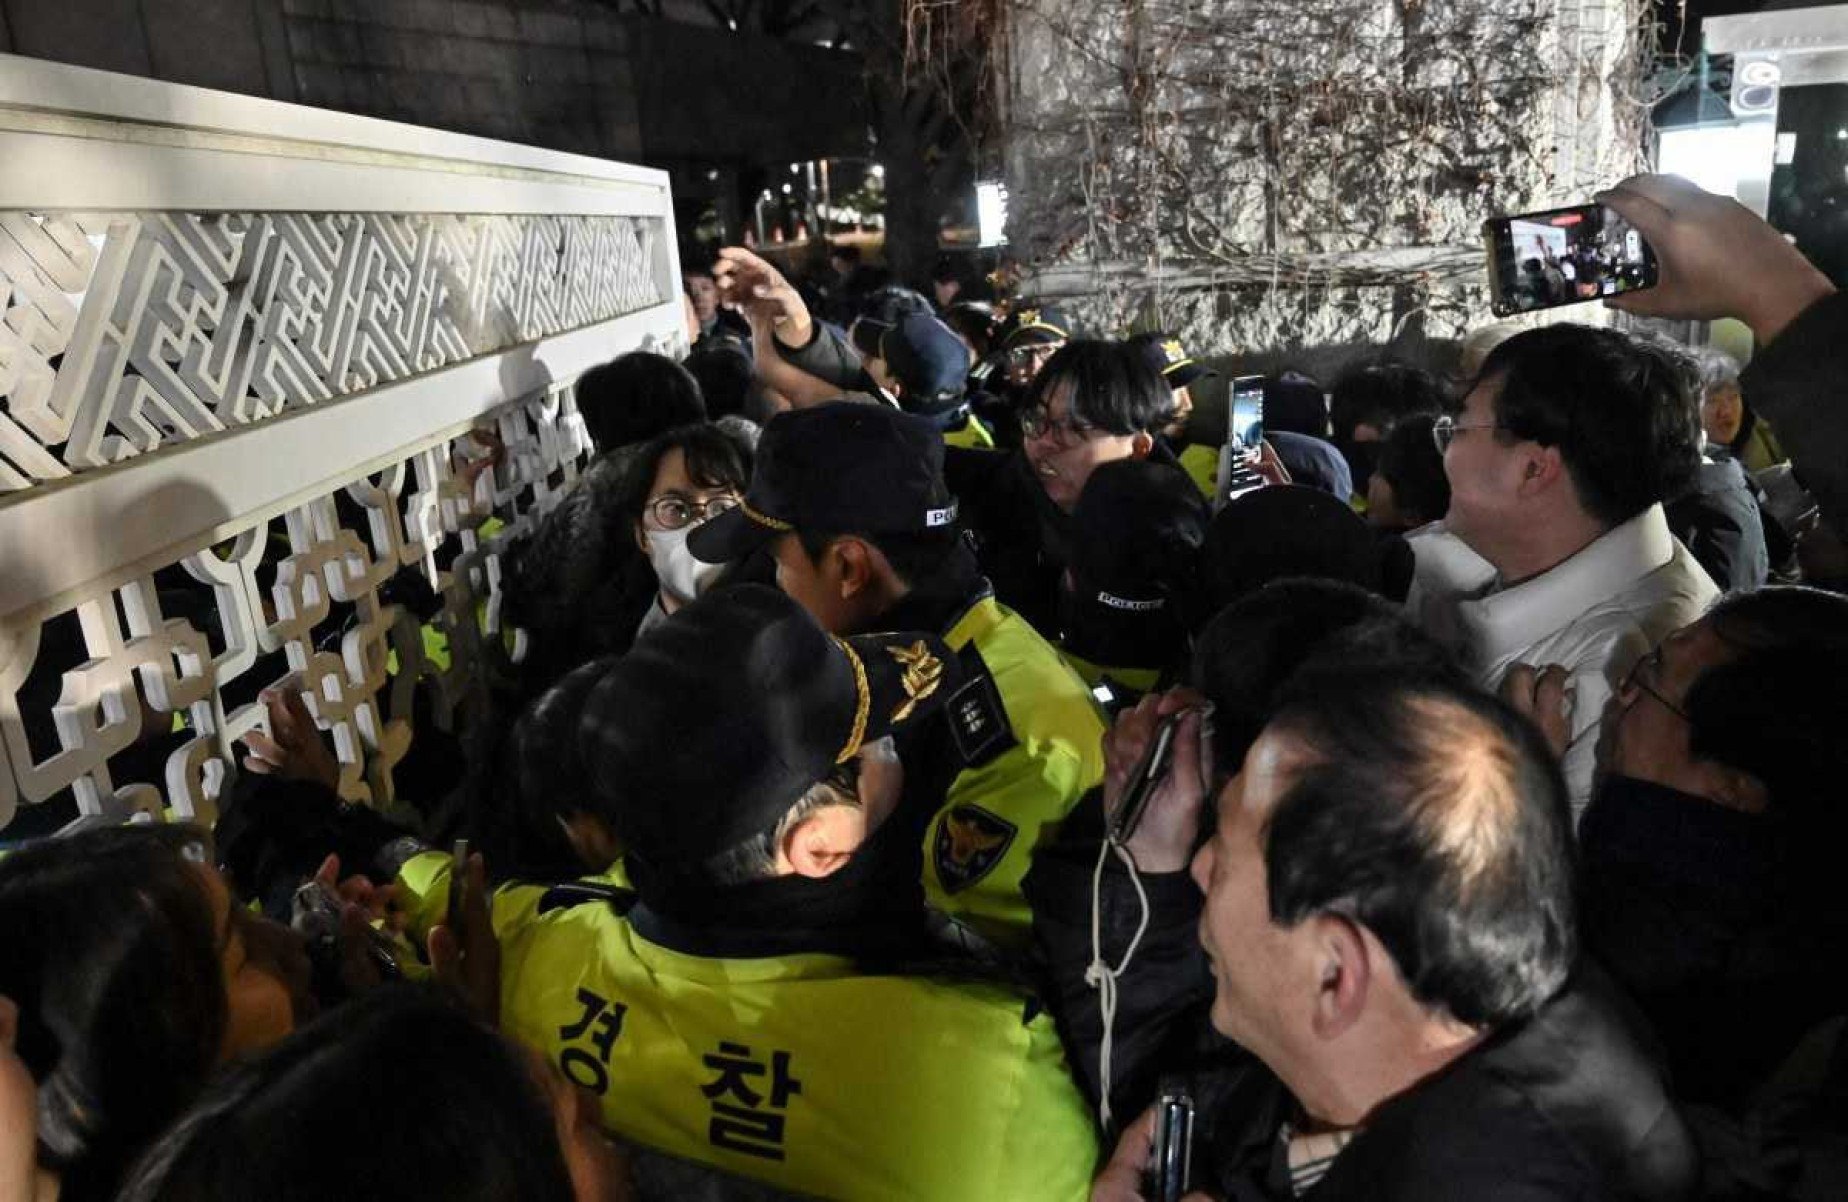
580	893
978	721
970	842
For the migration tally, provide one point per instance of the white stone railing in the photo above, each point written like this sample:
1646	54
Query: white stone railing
242	347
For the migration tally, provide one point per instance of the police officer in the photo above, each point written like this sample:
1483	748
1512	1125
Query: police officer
1031	334
853	500
1200	460
743	1007
928	366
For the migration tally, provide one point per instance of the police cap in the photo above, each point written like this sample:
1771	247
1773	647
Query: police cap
722	717
838	468
929	361
1032	322
1167	356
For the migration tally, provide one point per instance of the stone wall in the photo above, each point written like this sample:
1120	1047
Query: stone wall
1287	176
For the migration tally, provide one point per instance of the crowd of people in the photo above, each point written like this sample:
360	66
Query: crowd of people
926	768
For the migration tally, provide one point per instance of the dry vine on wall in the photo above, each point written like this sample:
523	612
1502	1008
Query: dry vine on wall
1269	173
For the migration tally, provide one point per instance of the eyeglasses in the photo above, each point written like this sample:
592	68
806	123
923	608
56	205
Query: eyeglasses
1645	676
1031	351
1036	423
675	512
1445	429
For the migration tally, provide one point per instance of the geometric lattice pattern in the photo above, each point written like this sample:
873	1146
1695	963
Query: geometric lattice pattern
123	332
297	598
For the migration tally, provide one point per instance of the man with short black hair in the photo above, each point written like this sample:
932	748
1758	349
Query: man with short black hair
1556	548
711	316
1092	403
853	500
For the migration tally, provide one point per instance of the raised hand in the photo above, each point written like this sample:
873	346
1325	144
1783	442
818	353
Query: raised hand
1716	257
466	956
757	287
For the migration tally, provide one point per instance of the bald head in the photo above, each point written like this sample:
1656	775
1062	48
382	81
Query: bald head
1435	817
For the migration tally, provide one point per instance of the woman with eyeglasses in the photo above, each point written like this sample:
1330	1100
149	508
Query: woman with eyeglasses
677	482
612	561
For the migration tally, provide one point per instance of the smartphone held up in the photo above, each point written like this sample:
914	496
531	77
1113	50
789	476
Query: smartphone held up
1244	441
1564	257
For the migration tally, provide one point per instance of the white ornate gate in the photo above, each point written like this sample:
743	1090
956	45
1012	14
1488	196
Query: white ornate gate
242	348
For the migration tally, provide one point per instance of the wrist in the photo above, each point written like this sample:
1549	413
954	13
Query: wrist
1782	305
796	333
1158	852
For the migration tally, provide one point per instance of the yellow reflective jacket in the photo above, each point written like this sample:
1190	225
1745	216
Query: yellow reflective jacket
1201	463
1032	737
973	435
793	1070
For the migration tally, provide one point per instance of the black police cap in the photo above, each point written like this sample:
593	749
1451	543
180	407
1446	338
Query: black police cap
1138	528
1167	356
1032	322
838	468
723	716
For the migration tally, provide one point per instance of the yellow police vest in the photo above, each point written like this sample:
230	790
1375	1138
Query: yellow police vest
973	435
793	1070
1202	465
1033	736
423	889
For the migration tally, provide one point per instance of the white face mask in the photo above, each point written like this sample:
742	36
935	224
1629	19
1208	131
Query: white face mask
682	577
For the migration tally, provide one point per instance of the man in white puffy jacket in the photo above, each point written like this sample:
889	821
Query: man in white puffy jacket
1555	549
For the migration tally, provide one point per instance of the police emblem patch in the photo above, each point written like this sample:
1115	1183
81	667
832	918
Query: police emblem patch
970	842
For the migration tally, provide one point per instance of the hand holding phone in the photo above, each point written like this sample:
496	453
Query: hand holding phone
1155	778
1718	258
1149	773
1566	256
1244	440
1168	1173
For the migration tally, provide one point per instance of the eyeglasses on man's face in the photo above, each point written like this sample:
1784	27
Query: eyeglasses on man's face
1645	676
1445	429
1064	432
676	512
1030	351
